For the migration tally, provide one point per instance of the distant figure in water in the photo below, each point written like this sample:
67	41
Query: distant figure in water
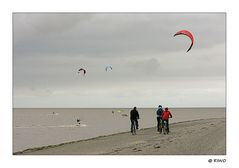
78	121
53	112
134	116
112	112
124	115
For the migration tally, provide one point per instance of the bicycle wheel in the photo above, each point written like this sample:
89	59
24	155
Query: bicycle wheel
160	126
133	129
165	129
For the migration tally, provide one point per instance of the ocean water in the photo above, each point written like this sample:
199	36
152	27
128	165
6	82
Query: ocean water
36	127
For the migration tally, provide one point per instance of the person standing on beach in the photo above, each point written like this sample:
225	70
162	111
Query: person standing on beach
159	118
134	116
165	117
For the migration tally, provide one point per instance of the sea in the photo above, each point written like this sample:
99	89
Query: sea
38	127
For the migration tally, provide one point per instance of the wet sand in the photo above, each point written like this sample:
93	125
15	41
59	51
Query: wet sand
198	137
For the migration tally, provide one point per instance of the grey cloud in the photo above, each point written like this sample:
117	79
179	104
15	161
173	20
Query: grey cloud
49	48
146	65
107	34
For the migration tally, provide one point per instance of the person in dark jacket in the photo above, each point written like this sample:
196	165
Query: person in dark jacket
134	116
159	118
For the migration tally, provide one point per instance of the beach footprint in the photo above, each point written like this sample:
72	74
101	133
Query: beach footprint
117	150
157	146
136	149
170	140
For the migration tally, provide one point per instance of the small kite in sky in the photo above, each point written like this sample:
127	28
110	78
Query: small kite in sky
83	70
108	68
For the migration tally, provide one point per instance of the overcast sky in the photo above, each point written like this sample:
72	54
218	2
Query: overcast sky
150	66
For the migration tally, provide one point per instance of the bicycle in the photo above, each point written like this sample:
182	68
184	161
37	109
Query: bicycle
160	125
133	127
165	127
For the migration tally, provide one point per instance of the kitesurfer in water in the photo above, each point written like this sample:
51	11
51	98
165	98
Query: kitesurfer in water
78	121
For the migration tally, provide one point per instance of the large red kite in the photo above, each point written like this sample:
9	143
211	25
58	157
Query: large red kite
187	33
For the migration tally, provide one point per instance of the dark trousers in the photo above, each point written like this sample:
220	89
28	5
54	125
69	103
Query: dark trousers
136	123
159	123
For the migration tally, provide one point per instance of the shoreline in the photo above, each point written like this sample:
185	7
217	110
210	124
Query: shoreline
40	150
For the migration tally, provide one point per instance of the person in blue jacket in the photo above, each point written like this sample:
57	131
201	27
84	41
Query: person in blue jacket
159	118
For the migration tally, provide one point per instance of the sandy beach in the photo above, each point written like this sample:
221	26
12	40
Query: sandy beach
198	137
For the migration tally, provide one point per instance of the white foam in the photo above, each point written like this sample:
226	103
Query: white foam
52	126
